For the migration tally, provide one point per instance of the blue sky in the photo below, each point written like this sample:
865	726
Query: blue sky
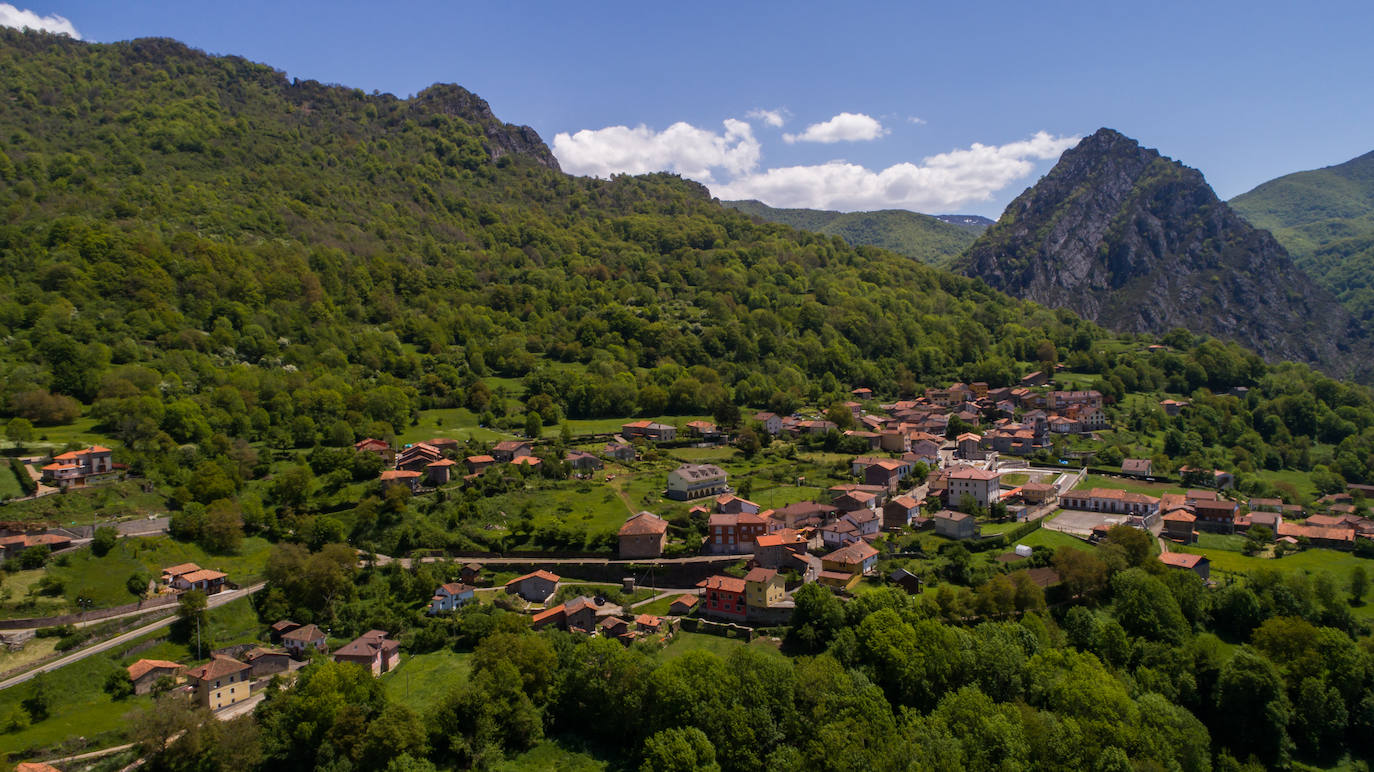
928	106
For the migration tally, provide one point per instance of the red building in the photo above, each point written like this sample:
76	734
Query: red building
724	598
734	532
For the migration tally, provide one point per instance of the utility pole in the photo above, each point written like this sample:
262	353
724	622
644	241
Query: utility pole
197	636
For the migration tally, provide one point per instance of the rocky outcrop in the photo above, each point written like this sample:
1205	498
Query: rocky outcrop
502	138
1139	243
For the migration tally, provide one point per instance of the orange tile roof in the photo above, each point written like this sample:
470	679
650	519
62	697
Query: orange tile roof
143	666
725	583
1181	559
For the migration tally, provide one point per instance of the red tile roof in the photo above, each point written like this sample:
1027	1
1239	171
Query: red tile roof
1181	559
144	666
724	583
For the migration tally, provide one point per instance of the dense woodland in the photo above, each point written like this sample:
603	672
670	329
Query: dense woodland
216	262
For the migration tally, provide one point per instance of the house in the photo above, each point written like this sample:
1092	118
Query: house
643	536
840	580
1138	467
1111	501
1266	505
763	587
264	662
724	596
377	447
613	627
967	445
400	477
1060	400
509	450
704	430
854	500
649	430
906	580
205	580
1198	564
801	513
1172	407
979	484
146	672
73	467
779	548
471	573
648	623
888	472
1214	478
730	533
451	597
868	522
838	534
955	525
527	462
443	444
439	472
374	650
862	393
1178	525
693	481
281	627
858	558
535	586
416	457
12	546
302	640
477	464
1037	493
772	424
576	615
623	452
683	605
899	512
1215	514
221	682
728	502
582	461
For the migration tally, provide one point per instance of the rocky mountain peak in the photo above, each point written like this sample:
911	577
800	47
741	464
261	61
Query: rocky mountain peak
502	138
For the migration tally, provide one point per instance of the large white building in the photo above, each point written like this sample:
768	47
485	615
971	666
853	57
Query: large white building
980	484
693	481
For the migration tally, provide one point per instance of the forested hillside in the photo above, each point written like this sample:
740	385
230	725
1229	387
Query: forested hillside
1325	219
931	240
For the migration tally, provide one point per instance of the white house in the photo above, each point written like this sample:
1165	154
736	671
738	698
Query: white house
450	597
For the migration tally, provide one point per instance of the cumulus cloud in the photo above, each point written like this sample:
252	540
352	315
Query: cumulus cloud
916	120
845	127
26	19
681	148
774	118
938	183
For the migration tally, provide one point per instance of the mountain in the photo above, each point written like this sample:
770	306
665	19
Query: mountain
1139	243
1325	219
929	239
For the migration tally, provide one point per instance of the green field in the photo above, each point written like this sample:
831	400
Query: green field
81	709
115	501
457	423
684	642
550	756
1126	484
79	432
421	680
9	483
1310	561
102	579
1044	537
782	495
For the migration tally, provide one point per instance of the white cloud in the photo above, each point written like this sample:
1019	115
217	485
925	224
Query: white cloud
939	183
681	148
26	19
845	127
916	120
774	118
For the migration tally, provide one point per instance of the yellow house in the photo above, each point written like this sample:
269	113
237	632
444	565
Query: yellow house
763	588
221	682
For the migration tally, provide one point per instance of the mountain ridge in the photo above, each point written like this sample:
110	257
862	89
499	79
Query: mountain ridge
1140	243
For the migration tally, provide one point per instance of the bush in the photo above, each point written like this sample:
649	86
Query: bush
22	473
55	632
70	642
34	557
104	541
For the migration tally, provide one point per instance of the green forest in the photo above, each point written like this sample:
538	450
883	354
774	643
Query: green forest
234	276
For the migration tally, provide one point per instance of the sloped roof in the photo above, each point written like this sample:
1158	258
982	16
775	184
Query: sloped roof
219	666
644	524
725	583
144	666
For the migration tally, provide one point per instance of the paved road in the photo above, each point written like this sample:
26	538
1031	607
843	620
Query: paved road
406	562
215	601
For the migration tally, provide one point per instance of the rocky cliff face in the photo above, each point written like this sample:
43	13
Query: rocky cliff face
502	138
1139	243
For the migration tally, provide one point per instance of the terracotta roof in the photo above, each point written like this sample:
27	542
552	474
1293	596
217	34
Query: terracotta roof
547	614
527	461
443	462
853	555
181	568
611	621
541	573
686	600
258	652
481	460
760	575
1181	559
644	524
971	473
454	588
304	634
367	645
648	620
398	474
509	445
219	666
204	575
1179	516
725	583
144	666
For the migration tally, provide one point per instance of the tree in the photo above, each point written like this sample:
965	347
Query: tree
223	527
137	584
533	425
19	431
118	685
191	619
748	442
679	750
1359	585
1251	696
39	701
292	487
104	540
34	557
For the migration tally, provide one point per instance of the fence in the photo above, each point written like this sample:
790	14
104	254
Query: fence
723	629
